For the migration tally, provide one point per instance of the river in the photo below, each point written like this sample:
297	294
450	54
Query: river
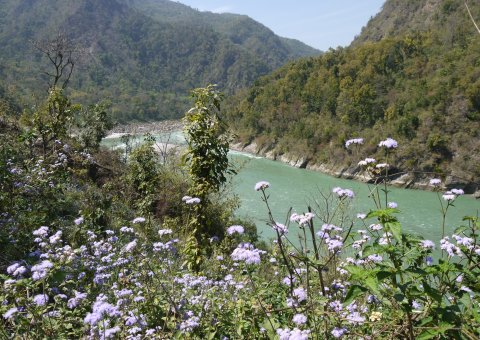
297	188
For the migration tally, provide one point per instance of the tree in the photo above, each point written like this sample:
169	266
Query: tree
208	165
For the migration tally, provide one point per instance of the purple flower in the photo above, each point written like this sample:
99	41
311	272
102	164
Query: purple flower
353	141
338	332
39	271
457	192
392	205
416	305
300	294
162	232
100	309
280	228
247	253
79	220
130	246
299	319
42	231
262	185
389	143
449	196
429	260
9	313
435	182
235	229
341	193
138	220
75	301
40	299
427	244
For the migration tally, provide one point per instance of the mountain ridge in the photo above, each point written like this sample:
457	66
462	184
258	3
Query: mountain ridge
418	84
143	64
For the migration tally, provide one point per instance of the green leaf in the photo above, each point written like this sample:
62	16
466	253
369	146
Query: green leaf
396	229
353	292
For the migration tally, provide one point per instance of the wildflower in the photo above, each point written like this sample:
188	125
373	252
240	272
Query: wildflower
262	185
375	316
382	166
336	306
294	334
300	294
353	141
427	244
9	313
457	192
341	193
110	332
162	232
392	205
375	227
416	305
193	201
130	246
40	299
449	196
334	244
355	318
435	182
429	260
55	238
338	332
75	301
79	220
138	220
280	228
388	143
299	319
100	309
42	231
375	258
190	324
186	198
235	229
247	253
126	230
39	271
361	216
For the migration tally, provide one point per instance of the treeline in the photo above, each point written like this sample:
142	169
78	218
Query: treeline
420	87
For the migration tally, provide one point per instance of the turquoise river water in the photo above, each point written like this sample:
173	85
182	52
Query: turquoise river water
297	188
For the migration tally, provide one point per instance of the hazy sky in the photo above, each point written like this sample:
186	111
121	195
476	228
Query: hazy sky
318	23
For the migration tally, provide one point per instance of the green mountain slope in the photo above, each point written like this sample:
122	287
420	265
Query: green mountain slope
420	86
144	59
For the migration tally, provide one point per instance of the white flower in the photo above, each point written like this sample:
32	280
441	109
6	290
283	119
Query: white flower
235	229
435	182
389	143
262	185
138	220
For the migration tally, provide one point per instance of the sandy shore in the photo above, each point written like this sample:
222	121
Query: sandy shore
139	128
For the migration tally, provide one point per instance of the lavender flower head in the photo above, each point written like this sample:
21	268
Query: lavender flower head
388	143
235	229
40	299
246	252
435	182
262	185
79	220
341	193
299	319
392	205
427	244
280	228
353	141
138	220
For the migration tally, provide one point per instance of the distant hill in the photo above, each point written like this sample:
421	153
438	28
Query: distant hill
144	56
413	74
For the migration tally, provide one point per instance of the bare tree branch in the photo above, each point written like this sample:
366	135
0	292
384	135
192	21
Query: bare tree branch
471	17
63	54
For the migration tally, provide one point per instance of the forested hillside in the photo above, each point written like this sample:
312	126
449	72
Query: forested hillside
409	75
142	56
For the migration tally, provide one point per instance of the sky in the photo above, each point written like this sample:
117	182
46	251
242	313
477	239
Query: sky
319	23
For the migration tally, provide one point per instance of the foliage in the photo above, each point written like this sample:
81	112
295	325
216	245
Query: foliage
347	278
417	82
207	162
143	56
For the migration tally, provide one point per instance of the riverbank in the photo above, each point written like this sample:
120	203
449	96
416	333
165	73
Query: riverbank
403	179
